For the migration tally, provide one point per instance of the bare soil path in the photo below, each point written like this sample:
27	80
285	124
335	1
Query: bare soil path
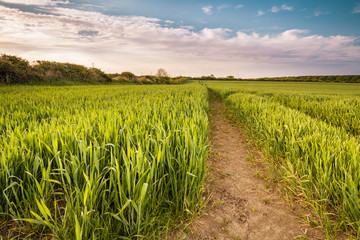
243	205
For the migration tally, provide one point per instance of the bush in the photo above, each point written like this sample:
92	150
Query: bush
14	70
54	71
17	70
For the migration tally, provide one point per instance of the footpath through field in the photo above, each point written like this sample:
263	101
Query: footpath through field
243	205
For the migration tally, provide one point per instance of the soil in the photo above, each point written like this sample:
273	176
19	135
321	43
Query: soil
243	205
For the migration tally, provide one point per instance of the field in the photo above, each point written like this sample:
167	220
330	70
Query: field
100	162
310	135
125	162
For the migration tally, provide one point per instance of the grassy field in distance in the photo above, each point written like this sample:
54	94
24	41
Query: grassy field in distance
289	87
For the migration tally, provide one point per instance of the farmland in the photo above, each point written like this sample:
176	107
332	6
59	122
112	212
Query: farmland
100	162
107	162
310	135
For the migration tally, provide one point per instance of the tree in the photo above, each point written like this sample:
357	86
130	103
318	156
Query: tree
162	73
14	69
7	69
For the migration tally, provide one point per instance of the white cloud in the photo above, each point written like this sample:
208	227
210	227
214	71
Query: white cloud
207	9
286	7
260	13
140	44
275	9
239	6
356	9
283	7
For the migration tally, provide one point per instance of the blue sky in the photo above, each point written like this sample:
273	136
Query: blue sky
242	38
323	17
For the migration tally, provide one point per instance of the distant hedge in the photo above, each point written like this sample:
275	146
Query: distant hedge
146	79
15	70
331	78
53	71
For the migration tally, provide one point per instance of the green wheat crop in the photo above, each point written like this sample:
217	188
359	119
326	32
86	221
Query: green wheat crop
318	160
101	162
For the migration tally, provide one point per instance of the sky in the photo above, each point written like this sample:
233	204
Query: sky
241	38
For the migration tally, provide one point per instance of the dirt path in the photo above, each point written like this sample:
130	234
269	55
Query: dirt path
243	205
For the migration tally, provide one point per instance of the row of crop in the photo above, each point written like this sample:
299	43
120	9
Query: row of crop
316	160
336	110
101	162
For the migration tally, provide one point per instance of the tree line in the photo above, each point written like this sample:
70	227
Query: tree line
329	78
16	70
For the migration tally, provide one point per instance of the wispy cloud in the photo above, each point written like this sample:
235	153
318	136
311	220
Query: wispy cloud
356	9
223	6
141	44
239	6
38	2
275	9
187	27
207	9
286	7
260	13
318	13
283	7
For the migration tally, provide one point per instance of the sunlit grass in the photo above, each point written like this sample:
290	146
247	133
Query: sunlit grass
101	162
312	151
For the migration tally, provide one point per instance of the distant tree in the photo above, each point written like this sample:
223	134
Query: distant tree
230	77
162	73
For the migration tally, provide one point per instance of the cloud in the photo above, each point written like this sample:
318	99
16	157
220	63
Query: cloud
283	7
318	13
275	9
286	7
187	27
140	44
88	33
223	6
260	13
37	2
356	9
239	6
207	9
